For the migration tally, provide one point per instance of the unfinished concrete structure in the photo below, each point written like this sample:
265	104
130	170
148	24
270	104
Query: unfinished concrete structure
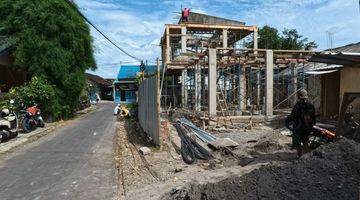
208	71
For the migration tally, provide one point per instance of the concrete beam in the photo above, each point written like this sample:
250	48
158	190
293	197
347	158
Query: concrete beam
184	92
183	39
197	87
212	83
269	107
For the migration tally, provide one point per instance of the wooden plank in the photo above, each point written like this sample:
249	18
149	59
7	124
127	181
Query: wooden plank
209	26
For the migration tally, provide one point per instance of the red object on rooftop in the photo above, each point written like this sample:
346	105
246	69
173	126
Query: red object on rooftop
186	12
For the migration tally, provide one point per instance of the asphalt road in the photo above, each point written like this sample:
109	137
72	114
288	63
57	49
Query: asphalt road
74	162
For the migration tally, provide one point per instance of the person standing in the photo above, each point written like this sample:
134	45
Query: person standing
185	14
303	119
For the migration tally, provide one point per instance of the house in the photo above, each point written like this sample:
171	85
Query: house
125	85
99	85
9	75
340	73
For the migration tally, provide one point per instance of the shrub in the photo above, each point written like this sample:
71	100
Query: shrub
39	91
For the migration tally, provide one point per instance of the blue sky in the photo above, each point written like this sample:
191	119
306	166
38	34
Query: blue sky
137	25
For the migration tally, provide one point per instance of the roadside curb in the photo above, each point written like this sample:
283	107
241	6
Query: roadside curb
23	139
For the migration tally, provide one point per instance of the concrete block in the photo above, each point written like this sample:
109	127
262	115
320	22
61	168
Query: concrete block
145	150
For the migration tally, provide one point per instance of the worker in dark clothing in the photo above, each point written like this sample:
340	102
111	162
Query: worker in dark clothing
185	14
302	118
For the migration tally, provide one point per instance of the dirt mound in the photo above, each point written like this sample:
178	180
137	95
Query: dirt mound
267	146
330	172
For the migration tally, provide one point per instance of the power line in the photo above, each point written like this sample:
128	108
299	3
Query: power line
71	3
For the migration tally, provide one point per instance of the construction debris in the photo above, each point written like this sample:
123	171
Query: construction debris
330	172
203	135
190	149
223	142
144	150
206	137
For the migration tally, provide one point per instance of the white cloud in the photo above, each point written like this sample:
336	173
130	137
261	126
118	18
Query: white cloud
138	25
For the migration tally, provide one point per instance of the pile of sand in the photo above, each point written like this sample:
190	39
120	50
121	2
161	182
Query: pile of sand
330	172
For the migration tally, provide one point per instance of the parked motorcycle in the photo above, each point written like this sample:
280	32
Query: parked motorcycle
32	119
323	133
320	135
8	124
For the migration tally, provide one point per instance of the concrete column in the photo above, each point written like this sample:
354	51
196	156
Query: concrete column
225	38
173	90
183	39
197	87
269	83
250	95
212	83
203	89
225	81
242	88
258	88
184	92
168	48
255	38
293	85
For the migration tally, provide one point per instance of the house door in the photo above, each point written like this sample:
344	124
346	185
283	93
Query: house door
123	95
330	93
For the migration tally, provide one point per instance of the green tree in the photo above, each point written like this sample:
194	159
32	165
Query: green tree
51	40
289	39
269	38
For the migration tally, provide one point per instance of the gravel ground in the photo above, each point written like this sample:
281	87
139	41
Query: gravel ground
172	173
329	172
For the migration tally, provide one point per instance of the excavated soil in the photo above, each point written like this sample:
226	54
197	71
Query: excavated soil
329	172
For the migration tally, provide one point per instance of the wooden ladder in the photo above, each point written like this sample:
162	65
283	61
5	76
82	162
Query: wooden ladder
223	107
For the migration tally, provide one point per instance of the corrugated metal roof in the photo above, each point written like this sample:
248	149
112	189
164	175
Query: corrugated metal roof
98	79
336	58
321	72
309	67
345	55
320	67
130	71
198	18
352	48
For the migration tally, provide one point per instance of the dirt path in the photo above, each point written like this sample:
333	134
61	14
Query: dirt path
133	168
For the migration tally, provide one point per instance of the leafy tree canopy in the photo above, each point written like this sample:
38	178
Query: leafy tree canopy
52	41
290	39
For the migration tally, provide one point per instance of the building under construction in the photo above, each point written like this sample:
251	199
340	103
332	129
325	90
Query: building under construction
209	72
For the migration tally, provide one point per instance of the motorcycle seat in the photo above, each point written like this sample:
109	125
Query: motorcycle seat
326	126
5	123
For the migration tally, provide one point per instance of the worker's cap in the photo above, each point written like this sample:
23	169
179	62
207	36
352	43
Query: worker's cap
302	94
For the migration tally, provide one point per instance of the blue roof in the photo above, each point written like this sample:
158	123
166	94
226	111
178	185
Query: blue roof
130	71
